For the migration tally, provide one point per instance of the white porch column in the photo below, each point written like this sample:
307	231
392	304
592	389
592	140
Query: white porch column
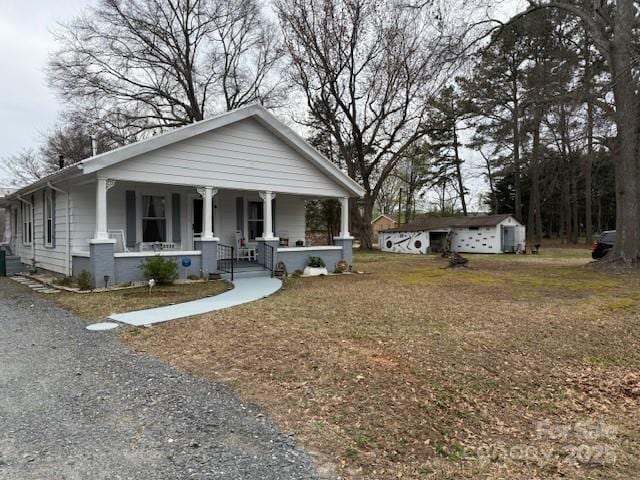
102	187
344	217
267	197
207	194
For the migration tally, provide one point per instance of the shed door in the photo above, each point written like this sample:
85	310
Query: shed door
508	239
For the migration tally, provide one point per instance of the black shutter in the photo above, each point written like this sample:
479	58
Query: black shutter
176	226
273	217
130	204
240	215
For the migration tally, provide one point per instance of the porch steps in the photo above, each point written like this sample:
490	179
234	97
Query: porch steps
246	270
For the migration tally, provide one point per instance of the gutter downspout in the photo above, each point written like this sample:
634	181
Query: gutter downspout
68	247
33	236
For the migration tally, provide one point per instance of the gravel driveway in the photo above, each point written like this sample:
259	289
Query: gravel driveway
77	405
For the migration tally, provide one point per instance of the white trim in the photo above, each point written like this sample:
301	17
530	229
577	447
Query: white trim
81	254
265	239
309	249
107	159
212	239
164	253
99	241
380	216
348	237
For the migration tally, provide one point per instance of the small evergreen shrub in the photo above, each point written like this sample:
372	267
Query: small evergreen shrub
164	272
63	281
316	262
84	280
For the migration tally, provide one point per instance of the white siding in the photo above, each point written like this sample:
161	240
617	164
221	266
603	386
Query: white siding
83	216
290	218
404	242
480	240
244	155
48	258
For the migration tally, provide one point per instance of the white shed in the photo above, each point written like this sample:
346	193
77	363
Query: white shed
479	234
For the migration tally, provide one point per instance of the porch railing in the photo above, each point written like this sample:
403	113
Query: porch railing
269	257
226	259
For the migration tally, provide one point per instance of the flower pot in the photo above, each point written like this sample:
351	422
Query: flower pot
314	272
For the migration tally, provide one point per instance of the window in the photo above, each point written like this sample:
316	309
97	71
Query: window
48	218
27	216
154	222
255	220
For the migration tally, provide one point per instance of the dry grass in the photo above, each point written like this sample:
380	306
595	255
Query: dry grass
98	305
406	371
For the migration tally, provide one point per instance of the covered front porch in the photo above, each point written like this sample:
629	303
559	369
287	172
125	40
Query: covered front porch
205	230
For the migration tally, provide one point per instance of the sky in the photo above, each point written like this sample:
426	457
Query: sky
28	107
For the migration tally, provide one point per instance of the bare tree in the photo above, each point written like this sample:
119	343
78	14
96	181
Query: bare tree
368	70
249	52
145	64
26	167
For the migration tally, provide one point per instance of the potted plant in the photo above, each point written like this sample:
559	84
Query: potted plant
315	266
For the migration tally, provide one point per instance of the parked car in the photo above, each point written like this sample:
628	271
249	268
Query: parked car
605	243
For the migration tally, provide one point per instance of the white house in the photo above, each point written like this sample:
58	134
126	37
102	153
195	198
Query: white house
478	234
237	181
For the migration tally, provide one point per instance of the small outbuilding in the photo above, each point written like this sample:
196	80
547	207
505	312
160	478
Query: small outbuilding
382	222
478	234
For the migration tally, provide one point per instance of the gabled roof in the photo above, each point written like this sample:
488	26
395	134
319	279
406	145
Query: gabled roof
444	223
257	112
384	215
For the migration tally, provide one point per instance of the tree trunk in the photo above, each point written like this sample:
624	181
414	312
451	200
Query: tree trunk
459	170
517	184
361	220
588	81
575	227
534	220
627	246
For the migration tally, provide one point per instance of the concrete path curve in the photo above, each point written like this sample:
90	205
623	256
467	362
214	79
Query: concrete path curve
245	290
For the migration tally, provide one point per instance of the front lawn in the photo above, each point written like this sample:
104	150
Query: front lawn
98	305
518	367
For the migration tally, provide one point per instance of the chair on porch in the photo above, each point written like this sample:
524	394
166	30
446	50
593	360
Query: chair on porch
121	242
243	251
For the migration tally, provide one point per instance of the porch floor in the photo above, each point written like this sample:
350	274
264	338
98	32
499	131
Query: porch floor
245	290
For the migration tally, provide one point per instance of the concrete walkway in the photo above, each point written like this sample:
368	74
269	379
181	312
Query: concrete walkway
246	290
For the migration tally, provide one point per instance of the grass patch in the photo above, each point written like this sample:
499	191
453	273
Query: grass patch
94	306
401	372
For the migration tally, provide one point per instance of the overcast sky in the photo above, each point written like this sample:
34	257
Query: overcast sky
28	107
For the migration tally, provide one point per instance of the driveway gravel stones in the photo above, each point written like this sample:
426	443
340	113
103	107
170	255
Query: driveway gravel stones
76	404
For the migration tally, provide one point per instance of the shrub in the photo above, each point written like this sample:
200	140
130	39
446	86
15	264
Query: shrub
164	272
63	281
316	262
84	280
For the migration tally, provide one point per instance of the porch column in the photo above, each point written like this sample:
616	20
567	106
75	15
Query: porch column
102	187
101	247
345	240
207	244
207	194
267	198
344	217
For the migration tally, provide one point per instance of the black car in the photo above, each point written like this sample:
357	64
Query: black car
605	243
